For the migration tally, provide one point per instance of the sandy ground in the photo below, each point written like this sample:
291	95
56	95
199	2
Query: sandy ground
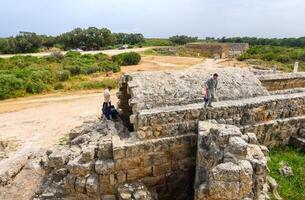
33	124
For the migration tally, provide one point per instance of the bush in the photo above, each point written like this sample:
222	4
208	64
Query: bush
131	58
9	85
58	86
243	57
92	70
101	57
268	57
63	75
107	66
35	87
55	57
301	57
283	59
72	54
75	70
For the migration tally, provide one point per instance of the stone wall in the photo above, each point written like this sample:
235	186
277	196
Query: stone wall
218	50
179	120
227	166
147	90
165	165
283	81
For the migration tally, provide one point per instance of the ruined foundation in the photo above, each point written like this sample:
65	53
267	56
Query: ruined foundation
169	146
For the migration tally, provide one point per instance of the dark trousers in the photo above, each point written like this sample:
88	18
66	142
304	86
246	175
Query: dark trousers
107	110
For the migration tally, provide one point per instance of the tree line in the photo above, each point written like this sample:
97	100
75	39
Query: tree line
286	42
91	38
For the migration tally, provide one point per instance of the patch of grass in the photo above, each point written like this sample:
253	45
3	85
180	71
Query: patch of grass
290	188
64	139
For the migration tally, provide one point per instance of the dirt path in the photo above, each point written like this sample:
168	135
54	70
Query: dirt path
34	124
110	52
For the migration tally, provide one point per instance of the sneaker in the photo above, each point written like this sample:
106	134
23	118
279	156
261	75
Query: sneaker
210	106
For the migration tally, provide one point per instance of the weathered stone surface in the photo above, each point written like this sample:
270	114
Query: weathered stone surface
104	167
239	169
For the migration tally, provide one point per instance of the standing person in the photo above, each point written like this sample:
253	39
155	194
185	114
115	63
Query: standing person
210	89
107	102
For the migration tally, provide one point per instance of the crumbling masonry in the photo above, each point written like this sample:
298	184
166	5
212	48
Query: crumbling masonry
168	146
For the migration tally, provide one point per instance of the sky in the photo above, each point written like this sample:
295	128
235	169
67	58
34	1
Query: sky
157	18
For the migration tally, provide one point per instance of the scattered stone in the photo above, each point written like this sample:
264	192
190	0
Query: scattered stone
285	169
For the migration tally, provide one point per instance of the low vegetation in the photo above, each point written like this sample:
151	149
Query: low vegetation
290	188
23	75
171	51
281	57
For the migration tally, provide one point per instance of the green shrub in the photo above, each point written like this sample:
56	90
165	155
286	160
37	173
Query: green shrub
107	66
55	57
63	75
72	54
283	59
74	70
101	57
268	56
58	86
131	58
301	57
92	70
42	75
9	85
35	87
243	57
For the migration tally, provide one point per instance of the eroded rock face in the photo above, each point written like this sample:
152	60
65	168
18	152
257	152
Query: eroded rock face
228	167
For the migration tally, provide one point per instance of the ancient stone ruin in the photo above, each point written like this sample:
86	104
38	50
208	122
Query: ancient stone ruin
218	50
168	146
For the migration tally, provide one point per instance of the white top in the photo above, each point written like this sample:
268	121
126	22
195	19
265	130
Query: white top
106	96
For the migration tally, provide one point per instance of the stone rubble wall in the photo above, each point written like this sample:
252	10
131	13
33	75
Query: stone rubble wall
282	81
277	132
179	120
229	166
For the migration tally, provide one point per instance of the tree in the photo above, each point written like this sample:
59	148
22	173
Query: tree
182	39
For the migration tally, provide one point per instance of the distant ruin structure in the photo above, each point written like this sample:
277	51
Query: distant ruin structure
218	50
169	146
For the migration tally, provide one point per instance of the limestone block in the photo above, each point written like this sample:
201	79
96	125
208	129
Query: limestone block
70	183
237	146
77	167
252	138
92	184
161	169
80	184
222	190
226	172
105	150
104	167
128	163
58	158
88	153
